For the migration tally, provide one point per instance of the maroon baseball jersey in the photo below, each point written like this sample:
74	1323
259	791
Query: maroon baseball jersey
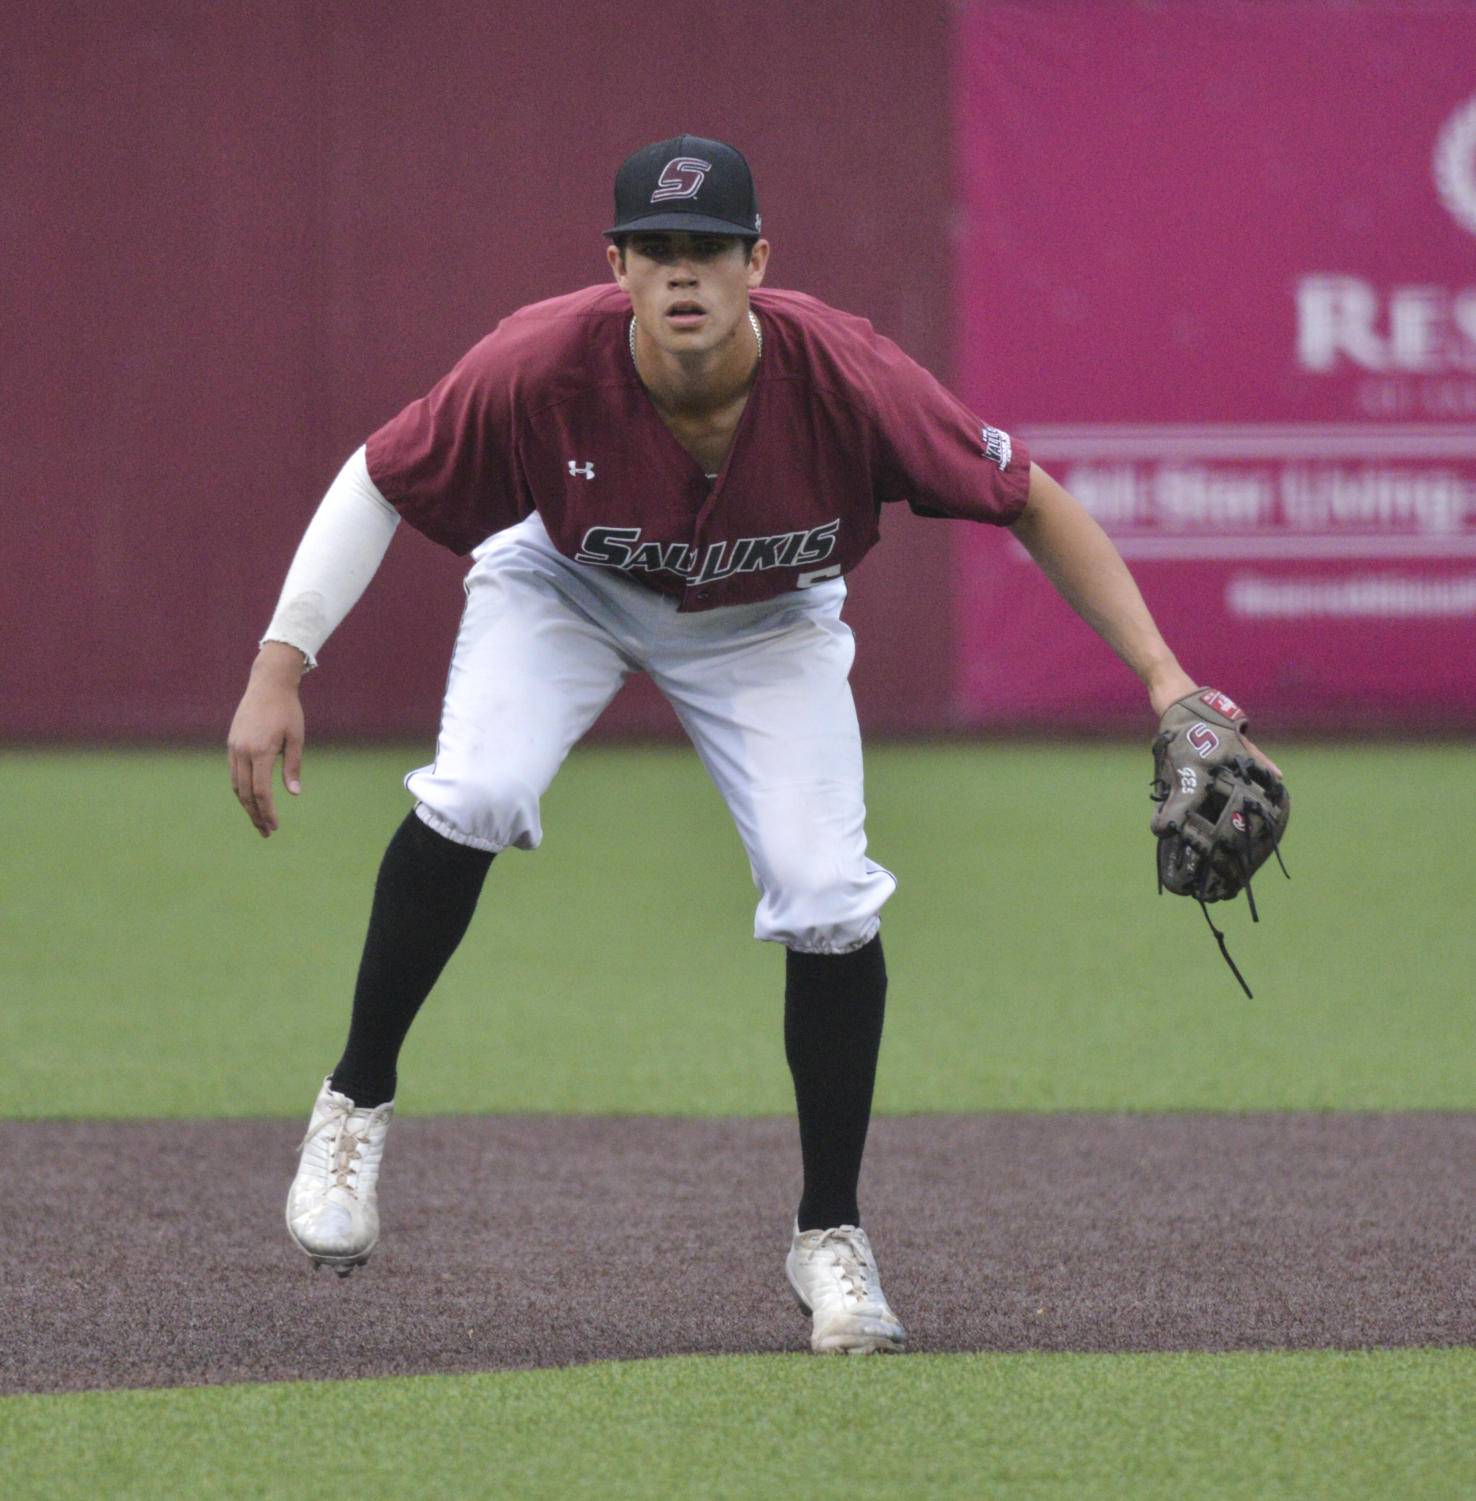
547	413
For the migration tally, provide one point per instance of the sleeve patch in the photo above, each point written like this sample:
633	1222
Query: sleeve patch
997	446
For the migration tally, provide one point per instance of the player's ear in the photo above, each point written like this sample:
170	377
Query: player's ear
758	260
615	254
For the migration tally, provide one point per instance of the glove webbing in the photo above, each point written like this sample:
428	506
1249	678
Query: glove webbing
1250	895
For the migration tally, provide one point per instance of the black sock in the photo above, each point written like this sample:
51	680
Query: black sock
425	896
833	1007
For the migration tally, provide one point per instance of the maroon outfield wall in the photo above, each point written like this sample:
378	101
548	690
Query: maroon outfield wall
237	241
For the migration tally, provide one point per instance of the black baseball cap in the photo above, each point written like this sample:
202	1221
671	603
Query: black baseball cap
688	183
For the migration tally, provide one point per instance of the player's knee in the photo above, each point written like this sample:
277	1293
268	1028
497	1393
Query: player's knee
494	812
504	809
821	910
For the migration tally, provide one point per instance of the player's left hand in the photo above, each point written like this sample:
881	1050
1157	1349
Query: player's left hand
1178	685
1222	807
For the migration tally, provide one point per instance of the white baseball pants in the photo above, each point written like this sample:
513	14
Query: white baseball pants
761	690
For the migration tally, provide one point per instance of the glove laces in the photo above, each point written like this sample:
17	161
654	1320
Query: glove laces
1243	854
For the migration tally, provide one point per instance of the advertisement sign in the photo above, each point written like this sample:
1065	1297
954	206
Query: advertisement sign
1217	268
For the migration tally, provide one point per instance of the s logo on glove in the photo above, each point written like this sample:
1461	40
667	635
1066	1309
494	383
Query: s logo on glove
1204	739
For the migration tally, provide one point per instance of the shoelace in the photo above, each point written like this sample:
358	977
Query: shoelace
851	1261
344	1152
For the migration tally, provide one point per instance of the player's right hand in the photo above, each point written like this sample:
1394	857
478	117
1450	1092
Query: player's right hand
268	724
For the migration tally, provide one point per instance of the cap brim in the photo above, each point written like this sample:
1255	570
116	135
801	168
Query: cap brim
699	224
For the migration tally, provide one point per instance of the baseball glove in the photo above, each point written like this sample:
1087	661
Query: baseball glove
1221	813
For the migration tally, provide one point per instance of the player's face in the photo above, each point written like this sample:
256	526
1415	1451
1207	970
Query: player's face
689	291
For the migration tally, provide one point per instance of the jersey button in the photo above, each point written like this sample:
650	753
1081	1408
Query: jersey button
704	594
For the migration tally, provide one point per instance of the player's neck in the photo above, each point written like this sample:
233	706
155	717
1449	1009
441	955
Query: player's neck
699	383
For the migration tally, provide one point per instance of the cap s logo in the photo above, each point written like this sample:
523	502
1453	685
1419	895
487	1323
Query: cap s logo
680	178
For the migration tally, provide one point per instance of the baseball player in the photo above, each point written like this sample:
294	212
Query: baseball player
671	473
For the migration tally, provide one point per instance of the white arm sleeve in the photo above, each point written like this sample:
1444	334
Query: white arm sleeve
339	553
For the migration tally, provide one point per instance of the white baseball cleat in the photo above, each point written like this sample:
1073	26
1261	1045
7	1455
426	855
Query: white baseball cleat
332	1211
833	1276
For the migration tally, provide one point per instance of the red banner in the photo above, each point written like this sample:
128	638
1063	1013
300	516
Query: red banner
1217	267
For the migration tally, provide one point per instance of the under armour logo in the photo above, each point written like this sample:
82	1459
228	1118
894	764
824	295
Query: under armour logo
680	178
587	470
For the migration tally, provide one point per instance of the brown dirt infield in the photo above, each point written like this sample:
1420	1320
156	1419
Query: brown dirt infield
153	1253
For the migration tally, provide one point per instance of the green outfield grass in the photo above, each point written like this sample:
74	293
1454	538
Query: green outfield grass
1341	1426
158	958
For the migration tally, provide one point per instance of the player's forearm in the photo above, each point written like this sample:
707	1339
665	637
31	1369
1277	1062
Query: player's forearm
1078	557
339	553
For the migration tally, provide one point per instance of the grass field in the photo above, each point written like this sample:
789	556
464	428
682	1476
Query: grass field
158	959
1298	1426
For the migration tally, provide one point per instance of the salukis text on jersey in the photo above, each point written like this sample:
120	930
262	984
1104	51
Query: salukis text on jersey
621	547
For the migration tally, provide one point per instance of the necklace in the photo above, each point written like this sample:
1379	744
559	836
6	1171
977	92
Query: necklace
753	323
